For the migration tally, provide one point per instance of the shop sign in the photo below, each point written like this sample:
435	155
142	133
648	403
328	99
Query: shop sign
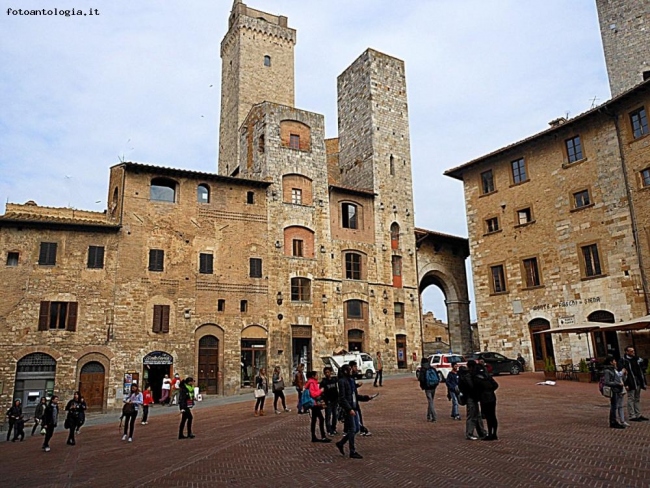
566	304
157	358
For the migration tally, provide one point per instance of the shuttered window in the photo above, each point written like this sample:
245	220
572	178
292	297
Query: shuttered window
47	254
58	316
96	257
206	261
156	260
255	268
160	319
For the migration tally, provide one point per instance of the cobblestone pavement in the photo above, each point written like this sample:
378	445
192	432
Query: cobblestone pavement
549	437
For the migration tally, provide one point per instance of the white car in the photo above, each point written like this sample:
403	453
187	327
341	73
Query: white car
443	364
365	364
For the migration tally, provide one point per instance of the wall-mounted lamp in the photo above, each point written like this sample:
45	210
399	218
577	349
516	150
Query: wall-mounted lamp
381	206
394	208
322	249
372	293
278	245
408	212
385	295
324	298
411	297
187	314
279	298
320	203
338	289
410	252
383	247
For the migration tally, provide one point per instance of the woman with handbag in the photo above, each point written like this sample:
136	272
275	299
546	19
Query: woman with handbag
315	391
72	418
278	390
38	414
614	381
132	403
261	390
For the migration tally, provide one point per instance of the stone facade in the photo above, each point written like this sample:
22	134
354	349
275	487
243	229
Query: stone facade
297	247
562	239
625	31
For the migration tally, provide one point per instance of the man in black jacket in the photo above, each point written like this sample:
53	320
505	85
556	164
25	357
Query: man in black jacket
50	418
348	403
469	391
331	396
634	383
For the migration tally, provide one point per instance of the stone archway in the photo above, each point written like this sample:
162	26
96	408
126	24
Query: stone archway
441	262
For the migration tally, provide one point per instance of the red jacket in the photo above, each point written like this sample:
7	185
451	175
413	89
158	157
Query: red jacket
314	390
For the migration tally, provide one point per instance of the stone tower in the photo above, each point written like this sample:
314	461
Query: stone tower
625	30
256	66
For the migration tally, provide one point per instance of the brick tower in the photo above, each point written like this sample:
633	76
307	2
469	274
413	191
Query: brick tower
257	66
625	30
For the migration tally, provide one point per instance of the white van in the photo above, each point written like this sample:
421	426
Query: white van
365	364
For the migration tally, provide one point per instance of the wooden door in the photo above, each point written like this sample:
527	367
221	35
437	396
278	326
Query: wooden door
91	385
542	343
209	364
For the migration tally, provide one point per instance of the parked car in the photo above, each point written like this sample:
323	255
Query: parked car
365	364
498	363
443	364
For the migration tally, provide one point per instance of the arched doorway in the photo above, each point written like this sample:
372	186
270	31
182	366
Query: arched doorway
542	343
355	340
604	342
35	374
91	384
155	366
209	364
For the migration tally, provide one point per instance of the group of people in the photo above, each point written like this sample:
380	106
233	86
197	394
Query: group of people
336	396
170	390
624	378
471	386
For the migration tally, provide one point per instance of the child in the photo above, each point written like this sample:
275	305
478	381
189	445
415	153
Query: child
147	400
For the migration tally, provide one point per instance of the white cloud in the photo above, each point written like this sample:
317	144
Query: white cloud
77	93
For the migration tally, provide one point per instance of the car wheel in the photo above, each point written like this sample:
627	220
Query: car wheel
514	369
369	374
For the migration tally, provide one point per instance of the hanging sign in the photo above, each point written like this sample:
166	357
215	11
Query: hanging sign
157	358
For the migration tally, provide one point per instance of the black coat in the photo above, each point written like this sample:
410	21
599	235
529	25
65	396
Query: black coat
50	417
485	386
347	394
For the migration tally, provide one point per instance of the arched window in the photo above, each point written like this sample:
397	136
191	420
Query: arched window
163	190
394	235
300	289
349	216
203	193
267	61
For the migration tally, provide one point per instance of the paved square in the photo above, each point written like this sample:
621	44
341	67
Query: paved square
549	436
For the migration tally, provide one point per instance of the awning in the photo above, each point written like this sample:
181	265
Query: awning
634	324
575	329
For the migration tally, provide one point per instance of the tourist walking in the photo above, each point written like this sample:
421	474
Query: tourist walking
429	381
82	412
261	383
278	390
348	403
329	384
186	404
485	387
147	401
72	418
634	384
176	387
50	419
299	383
132	404
38	413
315	391
379	375
615	380
452	390
474	422
164	391
13	414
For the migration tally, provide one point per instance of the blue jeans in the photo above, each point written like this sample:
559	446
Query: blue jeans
454	403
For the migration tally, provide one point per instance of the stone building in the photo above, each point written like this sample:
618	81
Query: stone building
298	246
559	223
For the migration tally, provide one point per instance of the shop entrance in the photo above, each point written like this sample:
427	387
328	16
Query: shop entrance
34	379
542	343
301	346
156	365
253	357
355	340
400	341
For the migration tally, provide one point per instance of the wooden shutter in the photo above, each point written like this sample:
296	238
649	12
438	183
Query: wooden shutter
157	318
44	316
71	323
164	325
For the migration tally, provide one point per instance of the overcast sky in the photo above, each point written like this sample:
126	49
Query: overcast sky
141	82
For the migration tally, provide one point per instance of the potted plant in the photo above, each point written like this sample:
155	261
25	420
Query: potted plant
550	373
583	374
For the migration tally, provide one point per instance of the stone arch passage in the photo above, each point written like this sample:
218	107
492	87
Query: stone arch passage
441	262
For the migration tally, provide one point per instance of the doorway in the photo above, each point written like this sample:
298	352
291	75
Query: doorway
355	340
91	384
156	365
208	364
542	343
253	357
400	341
35	375
604	342
301	353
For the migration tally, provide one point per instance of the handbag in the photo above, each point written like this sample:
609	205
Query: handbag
607	391
462	399
278	385
43	431
128	409
259	393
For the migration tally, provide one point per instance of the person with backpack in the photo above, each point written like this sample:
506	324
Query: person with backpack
348	403
429	381
315	393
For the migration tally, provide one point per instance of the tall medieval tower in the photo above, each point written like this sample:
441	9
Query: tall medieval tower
625	30
257	65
